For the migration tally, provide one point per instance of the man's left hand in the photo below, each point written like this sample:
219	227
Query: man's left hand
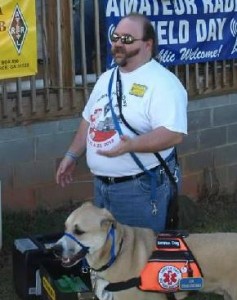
124	146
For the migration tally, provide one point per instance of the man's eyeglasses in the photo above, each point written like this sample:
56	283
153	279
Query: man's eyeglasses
126	39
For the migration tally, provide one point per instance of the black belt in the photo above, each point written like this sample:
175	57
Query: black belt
111	180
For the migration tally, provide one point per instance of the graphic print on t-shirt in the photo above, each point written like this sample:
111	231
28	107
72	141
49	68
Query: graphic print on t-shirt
102	129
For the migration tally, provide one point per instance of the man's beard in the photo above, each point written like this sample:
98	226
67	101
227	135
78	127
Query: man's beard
125	55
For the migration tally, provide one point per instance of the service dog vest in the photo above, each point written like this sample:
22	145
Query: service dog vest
171	267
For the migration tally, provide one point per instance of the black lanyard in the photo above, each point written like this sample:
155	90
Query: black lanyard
119	92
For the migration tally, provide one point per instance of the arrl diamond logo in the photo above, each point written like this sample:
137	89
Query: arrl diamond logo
18	29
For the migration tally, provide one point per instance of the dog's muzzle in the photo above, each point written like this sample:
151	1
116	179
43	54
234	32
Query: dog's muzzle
57	250
68	260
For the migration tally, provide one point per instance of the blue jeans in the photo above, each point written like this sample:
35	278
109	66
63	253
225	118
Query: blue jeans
130	201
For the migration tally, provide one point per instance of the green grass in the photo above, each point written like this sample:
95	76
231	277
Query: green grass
210	213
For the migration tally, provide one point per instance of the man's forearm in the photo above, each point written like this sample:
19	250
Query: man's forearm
156	140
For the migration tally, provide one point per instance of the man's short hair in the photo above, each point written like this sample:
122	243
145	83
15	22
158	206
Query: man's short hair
148	29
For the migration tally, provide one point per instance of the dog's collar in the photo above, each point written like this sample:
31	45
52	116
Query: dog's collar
112	251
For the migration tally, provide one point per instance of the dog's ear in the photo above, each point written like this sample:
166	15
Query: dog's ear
107	220
87	203
106	223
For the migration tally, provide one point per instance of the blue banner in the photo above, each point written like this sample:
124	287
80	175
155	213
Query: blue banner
188	31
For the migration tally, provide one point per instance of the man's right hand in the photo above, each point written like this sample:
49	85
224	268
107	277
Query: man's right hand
65	171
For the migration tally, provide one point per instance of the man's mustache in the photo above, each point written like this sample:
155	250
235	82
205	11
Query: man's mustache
116	50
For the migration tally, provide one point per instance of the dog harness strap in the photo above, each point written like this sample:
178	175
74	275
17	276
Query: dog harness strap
112	249
133	282
113	256
123	285
170	296
72	237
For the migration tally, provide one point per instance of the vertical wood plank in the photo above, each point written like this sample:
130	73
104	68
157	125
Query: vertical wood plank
4	99
19	96
33	94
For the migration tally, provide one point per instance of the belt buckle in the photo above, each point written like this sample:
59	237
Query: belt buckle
111	179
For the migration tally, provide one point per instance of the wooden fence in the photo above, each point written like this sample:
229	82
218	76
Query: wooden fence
57	92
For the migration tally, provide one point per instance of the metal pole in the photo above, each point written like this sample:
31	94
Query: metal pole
0	215
83	50
59	50
97	36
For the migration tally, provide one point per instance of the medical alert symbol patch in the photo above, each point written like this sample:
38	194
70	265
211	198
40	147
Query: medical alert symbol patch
138	90
169	277
18	29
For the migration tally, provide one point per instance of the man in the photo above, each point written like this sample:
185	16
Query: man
134	111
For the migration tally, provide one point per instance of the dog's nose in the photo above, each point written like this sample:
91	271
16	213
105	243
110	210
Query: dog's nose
57	250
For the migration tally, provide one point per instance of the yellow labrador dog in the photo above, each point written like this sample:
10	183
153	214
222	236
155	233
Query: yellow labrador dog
121	254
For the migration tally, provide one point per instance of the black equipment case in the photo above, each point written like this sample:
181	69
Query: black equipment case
27	255
38	275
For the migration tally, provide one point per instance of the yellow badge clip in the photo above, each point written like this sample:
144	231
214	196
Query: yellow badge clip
138	90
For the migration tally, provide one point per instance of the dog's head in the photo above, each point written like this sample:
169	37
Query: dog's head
86	232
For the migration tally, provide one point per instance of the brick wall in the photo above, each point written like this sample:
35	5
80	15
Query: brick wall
29	156
208	154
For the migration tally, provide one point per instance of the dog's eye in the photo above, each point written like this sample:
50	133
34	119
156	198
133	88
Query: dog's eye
77	231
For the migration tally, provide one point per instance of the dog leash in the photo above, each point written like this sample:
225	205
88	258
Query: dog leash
172	215
133	155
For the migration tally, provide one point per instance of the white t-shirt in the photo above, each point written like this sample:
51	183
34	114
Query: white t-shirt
152	96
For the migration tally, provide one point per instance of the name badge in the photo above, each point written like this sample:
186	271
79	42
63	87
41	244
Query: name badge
138	90
191	283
